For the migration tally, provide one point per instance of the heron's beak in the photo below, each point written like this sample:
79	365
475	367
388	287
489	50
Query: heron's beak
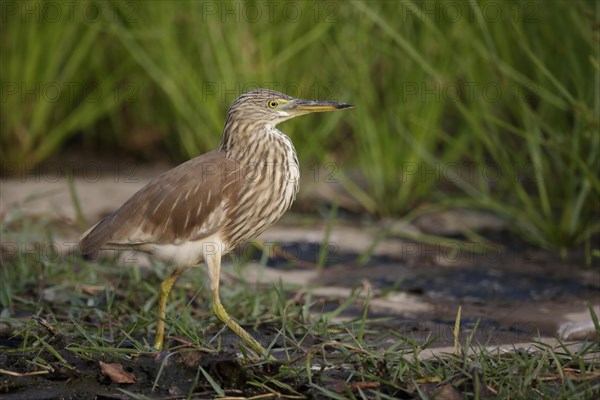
310	106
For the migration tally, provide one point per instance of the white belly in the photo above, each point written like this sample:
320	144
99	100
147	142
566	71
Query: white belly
190	253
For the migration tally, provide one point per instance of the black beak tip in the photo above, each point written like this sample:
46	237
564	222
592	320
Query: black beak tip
345	105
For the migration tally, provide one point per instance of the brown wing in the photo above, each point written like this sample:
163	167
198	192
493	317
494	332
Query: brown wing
185	203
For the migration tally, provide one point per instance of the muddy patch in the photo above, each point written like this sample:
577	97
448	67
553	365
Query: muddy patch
512	294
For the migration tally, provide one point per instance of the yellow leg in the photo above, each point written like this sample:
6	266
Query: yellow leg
165	289
214	268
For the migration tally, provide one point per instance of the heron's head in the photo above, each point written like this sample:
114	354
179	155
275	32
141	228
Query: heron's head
270	107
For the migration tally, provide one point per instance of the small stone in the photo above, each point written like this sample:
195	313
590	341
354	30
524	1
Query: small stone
577	331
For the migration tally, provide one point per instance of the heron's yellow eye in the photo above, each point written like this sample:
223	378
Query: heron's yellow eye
273	103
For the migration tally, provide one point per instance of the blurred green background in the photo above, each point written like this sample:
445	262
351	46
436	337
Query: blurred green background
491	105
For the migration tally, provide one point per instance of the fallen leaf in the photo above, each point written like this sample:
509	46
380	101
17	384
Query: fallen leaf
116	373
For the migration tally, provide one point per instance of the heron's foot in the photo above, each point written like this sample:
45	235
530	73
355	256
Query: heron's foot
159	338
163	296
224	317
